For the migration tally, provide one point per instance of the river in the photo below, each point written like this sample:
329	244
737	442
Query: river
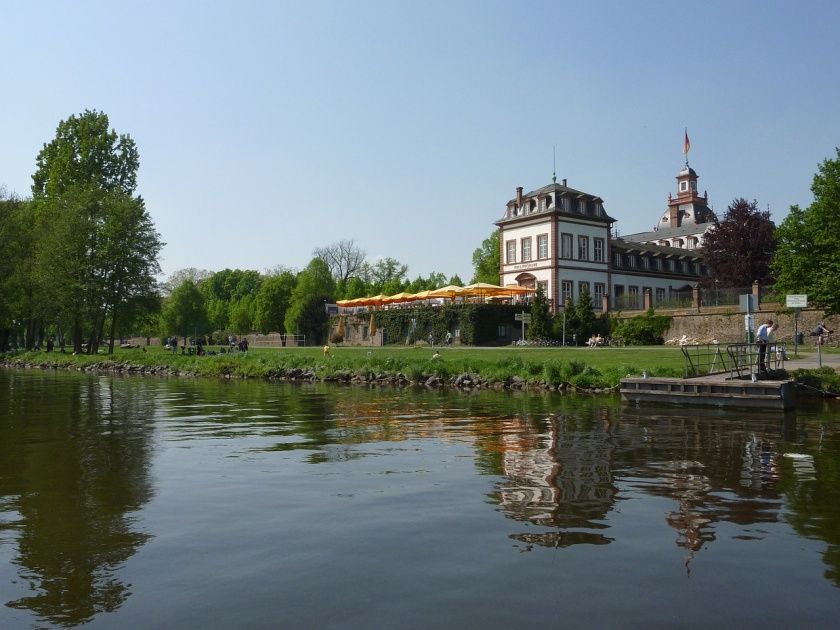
140	502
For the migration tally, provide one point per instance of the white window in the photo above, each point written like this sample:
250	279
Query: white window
566	246
566	291
510	252
598	249
542	246
683	186
582	206
583	248
631	261
617	259
645	262
544	285
526	249
600	290
660	296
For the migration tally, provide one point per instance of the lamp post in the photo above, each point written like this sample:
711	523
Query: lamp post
717	293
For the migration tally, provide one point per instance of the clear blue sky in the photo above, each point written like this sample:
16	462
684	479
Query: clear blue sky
267	129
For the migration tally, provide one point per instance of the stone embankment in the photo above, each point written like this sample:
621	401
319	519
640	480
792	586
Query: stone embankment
463	382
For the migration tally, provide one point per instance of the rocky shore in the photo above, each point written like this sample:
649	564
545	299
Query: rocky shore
465	382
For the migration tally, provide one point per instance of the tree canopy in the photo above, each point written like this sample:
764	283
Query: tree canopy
738	249
807	256
486	260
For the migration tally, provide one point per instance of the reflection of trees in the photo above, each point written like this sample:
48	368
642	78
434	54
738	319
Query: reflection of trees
811	483
74	459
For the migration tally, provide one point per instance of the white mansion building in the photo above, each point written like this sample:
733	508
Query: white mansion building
560	238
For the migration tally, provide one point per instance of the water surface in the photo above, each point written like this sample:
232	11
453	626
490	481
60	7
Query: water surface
143	502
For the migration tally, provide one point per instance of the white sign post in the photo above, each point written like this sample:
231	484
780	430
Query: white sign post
797	303
525	318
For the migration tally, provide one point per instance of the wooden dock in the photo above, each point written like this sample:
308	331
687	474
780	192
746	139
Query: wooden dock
711	391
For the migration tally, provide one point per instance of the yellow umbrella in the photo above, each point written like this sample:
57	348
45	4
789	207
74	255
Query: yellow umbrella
399	297
449	291
515	289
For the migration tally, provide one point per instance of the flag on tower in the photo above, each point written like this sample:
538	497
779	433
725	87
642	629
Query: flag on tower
686	143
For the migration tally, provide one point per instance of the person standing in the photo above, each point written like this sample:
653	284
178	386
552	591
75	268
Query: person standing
762	336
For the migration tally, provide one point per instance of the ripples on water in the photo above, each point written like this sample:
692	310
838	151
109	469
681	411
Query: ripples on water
138	502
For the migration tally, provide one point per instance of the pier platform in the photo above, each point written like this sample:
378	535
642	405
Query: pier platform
711	391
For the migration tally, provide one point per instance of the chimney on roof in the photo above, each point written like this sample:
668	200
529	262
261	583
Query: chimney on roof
564	181
519	195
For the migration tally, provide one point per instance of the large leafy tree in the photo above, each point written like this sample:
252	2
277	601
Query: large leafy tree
16	265
85	152
739	248
807	256
486	260
272	302
184	312
96	250
307	313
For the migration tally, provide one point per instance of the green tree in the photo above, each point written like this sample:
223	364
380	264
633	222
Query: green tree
486	260
241	314
807	258
584	317
307	307
16	265
85	152
96	249
739	248
540	326
272	302
184	312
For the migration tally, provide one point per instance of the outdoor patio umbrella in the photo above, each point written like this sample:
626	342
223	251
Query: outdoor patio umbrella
450	291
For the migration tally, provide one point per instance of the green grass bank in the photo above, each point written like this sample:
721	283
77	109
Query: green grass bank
463	367
580	368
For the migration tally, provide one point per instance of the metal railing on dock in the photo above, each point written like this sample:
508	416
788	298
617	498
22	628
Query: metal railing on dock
736	358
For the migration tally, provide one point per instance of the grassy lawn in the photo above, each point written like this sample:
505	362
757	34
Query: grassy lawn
602	367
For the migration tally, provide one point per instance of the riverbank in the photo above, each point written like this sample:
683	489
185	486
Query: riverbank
556	369
463	368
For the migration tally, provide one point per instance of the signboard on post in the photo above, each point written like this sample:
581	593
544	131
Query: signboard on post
525	318
747	303
796	301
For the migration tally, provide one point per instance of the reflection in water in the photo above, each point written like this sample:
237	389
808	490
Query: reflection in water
550	471
73	468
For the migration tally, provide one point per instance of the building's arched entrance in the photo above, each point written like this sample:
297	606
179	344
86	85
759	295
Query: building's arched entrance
526	280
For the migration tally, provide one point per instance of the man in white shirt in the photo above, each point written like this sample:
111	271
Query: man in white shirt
762	336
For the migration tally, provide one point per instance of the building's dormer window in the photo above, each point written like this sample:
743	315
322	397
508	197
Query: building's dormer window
532	205
617	259
694	186
683	186
549	201
582	206
645	262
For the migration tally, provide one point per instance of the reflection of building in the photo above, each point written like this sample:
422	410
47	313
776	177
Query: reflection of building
564	482
560	238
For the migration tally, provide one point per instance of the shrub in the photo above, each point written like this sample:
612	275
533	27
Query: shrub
644	330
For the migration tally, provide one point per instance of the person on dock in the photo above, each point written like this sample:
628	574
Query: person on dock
762	336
